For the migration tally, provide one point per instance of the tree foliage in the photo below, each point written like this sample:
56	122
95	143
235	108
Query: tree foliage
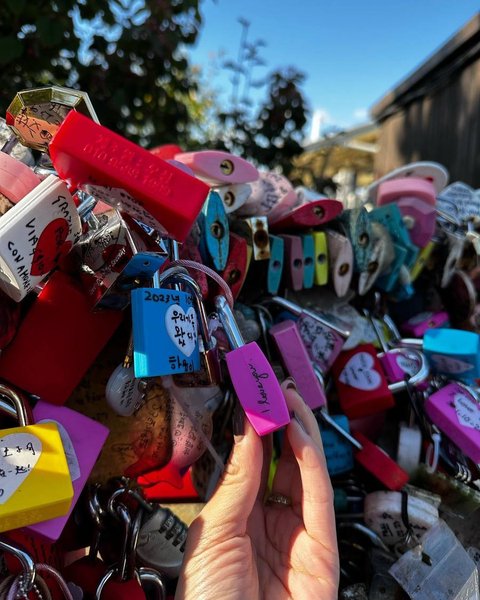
126	54
130	57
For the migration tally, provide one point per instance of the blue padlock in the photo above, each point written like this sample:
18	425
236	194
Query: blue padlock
275	264
165	325
308	260
338	451
215	232
451	352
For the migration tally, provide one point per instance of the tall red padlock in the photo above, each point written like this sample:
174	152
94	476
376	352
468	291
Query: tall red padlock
57	341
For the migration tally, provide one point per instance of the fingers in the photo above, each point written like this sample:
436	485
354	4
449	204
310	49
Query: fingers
317	495
230	506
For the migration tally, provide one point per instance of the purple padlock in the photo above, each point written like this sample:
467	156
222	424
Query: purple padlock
417	325
83	439
297	362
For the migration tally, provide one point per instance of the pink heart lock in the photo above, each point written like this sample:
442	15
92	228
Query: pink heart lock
416	200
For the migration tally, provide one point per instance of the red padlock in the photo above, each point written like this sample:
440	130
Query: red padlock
126	176
57	341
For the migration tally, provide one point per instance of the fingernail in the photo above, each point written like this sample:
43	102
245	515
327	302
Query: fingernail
300	422
290	384
238	422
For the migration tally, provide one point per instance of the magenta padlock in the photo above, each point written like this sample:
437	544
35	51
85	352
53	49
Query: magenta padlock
252	376
297	362
399	363
83	439
323	335
455	410
417	326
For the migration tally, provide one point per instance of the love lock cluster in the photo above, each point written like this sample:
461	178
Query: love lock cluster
226	279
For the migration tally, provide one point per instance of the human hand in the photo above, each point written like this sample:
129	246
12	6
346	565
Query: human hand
241	548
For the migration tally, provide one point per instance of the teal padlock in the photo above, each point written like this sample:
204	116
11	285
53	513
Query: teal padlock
454	353
338	451
275	264
308	261
215	232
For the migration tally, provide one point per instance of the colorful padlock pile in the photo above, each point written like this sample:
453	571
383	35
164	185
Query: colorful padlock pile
146	294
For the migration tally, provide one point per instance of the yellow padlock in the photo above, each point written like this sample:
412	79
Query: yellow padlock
35	482
321	257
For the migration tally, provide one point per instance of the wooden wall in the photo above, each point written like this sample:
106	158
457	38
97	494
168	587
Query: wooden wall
440	122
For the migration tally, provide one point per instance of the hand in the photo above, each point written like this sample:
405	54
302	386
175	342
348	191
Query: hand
241	548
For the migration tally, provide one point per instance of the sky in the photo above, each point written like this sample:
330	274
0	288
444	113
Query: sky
352	51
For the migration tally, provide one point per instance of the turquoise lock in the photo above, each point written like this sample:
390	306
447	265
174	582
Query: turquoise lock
338	451
451	352
358	229
275	264
215	232
308	260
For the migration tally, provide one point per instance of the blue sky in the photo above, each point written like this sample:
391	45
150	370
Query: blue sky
352	51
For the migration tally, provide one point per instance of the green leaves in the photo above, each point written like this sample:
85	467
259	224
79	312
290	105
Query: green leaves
11	50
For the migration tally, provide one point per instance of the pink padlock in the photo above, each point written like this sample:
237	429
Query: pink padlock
417	326
16	179
455	409
252	377
270	194
416	200
293	262
217	168
83	439
297	362
406	187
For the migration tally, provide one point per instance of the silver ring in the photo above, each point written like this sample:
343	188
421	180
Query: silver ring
279	499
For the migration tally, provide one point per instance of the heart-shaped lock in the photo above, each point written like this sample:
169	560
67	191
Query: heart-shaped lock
360	372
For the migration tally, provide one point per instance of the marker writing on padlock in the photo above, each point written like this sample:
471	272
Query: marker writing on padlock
35	483
253	378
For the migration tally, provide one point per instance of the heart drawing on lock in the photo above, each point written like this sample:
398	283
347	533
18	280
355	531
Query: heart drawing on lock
50	247
468	411
19	453
182	328
359	372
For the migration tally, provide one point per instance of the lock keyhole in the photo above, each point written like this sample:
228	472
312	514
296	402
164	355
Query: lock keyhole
260	238
297	263
363	239
372	266
217	230
234	276
319	212
229	198
227	167
343	269
321	258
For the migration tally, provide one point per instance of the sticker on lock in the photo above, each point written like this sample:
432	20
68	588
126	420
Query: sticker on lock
165	339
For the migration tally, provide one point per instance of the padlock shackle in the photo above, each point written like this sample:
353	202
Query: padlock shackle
229	323
28	565
15	406
415	379
413	343
298	310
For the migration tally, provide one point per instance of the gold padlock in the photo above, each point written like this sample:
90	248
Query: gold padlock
35	482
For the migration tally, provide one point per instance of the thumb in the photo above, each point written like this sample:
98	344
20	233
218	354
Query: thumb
229	508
